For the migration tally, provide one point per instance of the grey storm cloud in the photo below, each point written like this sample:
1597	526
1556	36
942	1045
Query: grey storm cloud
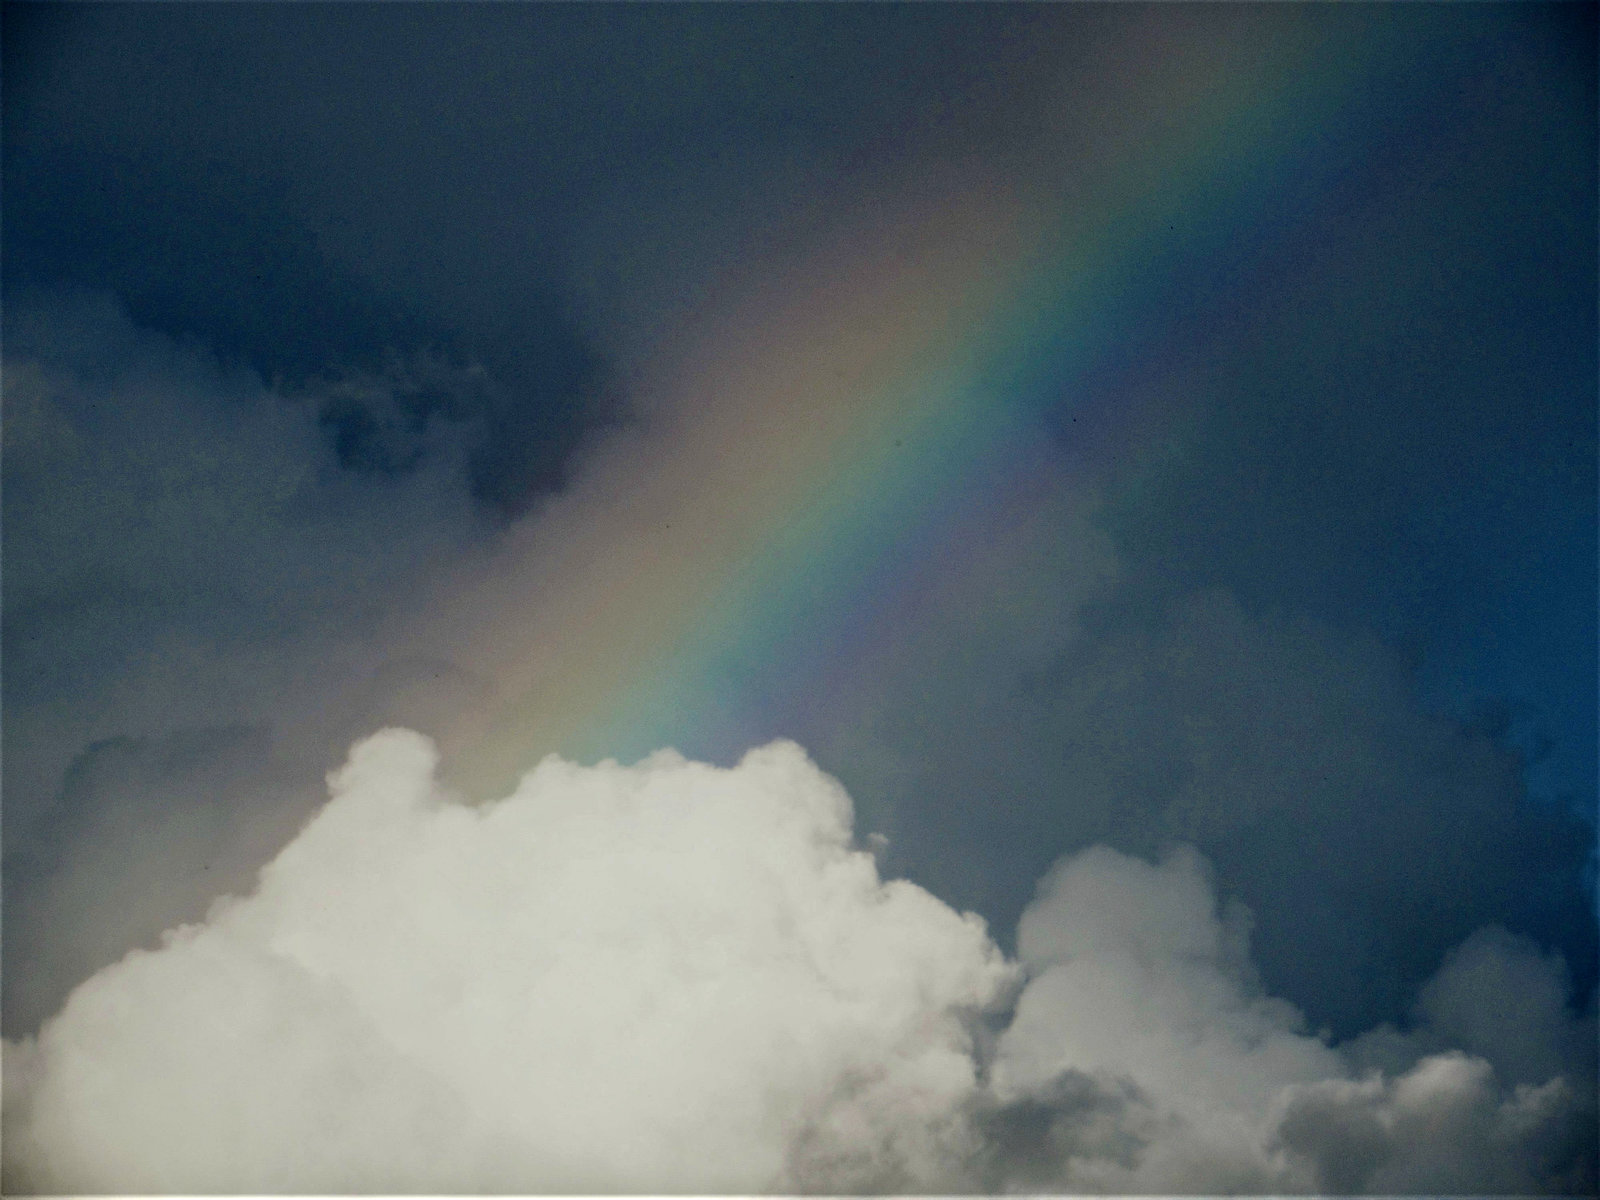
1296	756
195	557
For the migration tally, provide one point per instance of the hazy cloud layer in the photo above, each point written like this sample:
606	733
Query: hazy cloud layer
674	977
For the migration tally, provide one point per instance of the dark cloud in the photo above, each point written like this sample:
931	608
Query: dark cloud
1361	828
185	560
200	210
144	833
316	190
1446	1128
1028	1138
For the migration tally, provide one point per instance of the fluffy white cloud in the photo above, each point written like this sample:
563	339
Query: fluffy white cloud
658	977
675	977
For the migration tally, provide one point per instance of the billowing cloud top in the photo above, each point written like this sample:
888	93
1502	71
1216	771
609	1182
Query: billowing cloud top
653	977
676	977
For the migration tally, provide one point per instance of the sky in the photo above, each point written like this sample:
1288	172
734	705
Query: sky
799	598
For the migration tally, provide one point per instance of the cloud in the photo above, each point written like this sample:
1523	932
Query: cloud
1293	753
1142	996
174	526
194	626
186	551
1501	996
1448	1125
659	977
677	977
212	586
145	833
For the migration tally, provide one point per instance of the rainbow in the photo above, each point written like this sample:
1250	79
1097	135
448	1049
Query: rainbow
875	433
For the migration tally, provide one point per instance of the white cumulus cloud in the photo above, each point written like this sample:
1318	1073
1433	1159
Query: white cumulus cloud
673	977
659	977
